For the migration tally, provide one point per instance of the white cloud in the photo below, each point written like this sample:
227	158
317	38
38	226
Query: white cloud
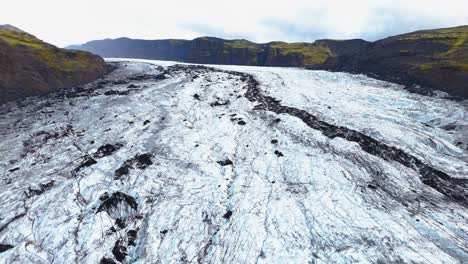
66	22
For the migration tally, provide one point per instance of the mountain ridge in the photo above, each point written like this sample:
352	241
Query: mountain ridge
423	60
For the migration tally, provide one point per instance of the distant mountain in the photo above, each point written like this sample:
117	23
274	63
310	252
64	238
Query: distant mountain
209	50
29	66
169	49
433	59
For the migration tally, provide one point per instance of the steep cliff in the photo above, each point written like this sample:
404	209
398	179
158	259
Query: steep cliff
211	50
422	60
165	49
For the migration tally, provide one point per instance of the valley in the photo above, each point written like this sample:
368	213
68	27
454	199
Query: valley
162	162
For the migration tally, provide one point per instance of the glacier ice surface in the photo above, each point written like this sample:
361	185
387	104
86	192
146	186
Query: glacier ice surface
210	178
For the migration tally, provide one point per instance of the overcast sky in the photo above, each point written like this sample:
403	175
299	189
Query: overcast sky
63	22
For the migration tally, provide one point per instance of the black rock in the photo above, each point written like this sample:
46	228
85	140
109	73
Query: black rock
119	205
278	153
5	247
140	77
106	150
88	161
104	196
119	250
124	170
107	261
40	189
143	160
227	215
219	103
449	127
120	82
120	223
131	237
14	169
160	77
225	162
111	92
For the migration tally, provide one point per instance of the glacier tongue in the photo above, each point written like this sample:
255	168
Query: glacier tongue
165	163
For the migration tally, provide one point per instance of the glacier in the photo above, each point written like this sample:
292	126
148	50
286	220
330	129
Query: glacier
164	162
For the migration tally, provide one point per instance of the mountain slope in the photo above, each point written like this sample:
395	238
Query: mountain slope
422	60
29	66
436	59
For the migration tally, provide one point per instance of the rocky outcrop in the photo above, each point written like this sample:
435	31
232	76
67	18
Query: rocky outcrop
29	66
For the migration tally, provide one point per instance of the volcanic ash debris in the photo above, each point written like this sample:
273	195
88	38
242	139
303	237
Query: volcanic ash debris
32	191
14	169
119	206
139	161
107	261
88	161
131	237
227	215
107	150
278	153
225	162
5	247
119	251
219	103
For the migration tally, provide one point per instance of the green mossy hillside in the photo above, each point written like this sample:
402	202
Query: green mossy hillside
269	54
311	53
16	38
433	59
60	60
30	66
450	46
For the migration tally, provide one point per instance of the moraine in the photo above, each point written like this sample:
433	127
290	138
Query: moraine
166	163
